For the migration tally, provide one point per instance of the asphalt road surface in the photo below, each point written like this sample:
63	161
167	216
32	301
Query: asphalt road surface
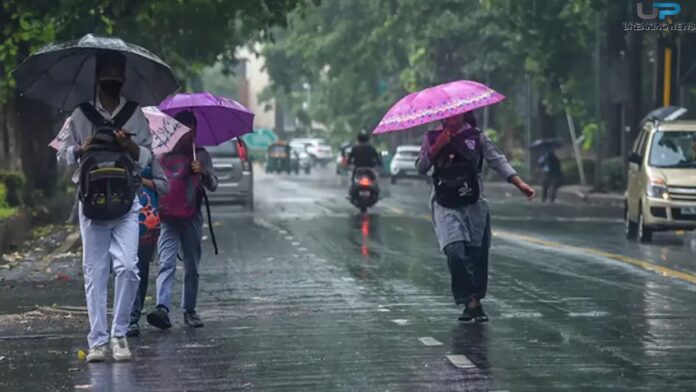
309	295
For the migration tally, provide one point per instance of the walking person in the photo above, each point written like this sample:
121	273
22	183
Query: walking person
113	130
460	212
189	169
553	175
155	185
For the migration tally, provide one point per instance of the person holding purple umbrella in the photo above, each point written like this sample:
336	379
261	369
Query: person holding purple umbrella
189	169
460	212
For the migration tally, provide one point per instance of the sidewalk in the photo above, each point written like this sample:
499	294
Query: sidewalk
571	194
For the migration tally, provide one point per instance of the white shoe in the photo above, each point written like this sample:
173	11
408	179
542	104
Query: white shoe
97	354
119	348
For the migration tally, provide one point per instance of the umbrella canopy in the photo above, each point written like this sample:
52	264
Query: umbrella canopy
551	143
165	130
437	103
218	119
667	113
63	75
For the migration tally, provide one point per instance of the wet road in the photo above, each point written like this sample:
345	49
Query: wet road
308	295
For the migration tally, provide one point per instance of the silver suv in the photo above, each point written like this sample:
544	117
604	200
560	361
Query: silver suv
235	173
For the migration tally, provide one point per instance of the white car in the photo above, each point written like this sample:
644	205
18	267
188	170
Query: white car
403	165
318	149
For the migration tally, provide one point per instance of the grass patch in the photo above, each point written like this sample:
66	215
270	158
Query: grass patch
5	210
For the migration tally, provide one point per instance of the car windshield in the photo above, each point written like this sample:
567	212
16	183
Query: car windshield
224	150
673	150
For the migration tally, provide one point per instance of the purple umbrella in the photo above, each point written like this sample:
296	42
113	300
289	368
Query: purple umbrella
219	119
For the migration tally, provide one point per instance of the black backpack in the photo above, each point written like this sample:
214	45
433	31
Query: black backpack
456	172
108	174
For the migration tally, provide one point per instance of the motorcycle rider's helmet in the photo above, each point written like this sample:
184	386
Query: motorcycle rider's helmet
363	137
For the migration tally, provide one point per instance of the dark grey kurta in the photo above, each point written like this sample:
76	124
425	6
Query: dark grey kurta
467	223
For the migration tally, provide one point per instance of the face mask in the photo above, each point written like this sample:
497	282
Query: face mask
111	88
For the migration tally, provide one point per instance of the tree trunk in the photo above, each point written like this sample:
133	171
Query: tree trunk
36	127
9	145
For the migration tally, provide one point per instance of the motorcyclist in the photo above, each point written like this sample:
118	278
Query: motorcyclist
363	154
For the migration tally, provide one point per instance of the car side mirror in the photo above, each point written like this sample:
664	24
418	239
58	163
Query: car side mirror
636	158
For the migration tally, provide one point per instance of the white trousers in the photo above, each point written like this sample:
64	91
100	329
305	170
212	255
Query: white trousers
104	243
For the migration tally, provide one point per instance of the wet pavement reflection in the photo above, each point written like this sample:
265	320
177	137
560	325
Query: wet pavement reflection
308	294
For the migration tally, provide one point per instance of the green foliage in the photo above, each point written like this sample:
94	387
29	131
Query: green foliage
189	35
13	187
5	209
613	174
590	132
571	174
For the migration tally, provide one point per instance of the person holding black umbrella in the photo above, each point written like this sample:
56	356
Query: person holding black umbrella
109	241
109	138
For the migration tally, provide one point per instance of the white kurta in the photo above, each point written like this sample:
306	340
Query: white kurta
107	242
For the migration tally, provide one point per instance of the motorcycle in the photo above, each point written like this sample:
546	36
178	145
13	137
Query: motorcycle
364	189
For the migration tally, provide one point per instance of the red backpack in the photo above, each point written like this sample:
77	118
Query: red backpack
183	201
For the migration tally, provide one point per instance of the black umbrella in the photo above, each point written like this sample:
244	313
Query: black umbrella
551	143
668	113
63	75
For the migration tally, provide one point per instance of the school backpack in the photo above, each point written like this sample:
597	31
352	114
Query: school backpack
184	197
457	168
108	174
186	193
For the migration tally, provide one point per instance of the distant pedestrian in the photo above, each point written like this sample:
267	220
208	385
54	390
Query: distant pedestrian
460	211
553	175
109	132
155	185
189	169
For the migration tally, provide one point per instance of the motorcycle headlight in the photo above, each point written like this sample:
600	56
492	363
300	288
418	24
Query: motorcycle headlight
658	190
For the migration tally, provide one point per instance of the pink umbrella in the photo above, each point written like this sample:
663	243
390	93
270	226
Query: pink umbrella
165	130
437	103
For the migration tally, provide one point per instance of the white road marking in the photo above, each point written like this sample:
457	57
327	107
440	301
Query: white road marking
521	315
283	232
461	361
345	279
384	310
588	314
430	341
289	238
296	243
400	321
302	250
270	258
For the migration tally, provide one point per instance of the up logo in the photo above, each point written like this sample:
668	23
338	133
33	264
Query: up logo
658	10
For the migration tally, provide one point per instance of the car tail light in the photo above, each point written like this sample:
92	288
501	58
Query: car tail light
242	151
243	156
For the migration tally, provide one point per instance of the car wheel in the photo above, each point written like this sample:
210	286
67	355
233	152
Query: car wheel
645	234
631	226
393	179
307	170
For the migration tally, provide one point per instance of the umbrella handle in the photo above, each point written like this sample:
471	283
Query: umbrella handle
194	152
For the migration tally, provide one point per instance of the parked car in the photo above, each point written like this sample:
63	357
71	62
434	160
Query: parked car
318	149
403	164
661	192
235	173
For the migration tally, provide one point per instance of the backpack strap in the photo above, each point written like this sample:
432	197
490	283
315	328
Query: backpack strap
93	114
125	114
119	121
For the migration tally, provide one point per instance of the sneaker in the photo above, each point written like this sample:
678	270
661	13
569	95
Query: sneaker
97	354
193	320
159	318
479	315
120	350
468	314
133	330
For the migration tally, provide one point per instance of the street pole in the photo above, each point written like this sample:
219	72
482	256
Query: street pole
528	131
599	143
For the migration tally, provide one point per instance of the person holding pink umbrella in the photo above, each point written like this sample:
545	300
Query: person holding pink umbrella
455	153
